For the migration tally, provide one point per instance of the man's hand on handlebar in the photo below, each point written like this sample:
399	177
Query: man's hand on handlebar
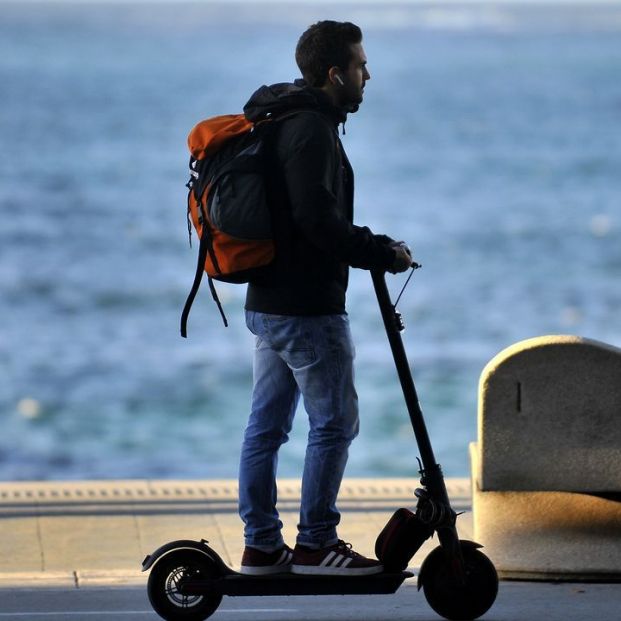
403	257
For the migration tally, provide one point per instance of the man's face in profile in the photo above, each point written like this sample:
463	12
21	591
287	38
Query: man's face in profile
355	78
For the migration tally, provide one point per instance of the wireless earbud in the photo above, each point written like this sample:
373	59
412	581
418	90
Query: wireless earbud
339	80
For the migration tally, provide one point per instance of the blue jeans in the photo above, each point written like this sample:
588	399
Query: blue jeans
312	357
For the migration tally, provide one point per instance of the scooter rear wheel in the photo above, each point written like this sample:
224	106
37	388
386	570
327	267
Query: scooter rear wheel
166	579
455	601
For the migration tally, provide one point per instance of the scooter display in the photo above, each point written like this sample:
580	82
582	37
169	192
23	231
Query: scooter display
188	579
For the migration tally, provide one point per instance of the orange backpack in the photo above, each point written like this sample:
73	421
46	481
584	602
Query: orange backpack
227	203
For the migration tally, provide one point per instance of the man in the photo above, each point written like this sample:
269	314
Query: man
297	309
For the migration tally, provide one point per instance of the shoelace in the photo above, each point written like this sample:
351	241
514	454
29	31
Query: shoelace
346	548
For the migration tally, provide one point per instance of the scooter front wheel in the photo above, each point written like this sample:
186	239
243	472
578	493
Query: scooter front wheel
165	584
457	599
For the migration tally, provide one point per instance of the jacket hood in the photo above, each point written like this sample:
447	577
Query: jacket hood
285	96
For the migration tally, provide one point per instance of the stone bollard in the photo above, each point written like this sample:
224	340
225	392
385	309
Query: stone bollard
546	470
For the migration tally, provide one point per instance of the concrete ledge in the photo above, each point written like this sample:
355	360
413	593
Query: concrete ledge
144	496
550	417
547	481
549	535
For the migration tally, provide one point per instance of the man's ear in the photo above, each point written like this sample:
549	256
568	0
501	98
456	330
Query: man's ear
335	75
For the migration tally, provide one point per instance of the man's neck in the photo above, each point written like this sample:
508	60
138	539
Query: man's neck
332	95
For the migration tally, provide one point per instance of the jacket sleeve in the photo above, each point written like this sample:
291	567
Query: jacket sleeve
309	155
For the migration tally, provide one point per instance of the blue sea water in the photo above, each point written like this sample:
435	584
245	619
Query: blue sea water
489	140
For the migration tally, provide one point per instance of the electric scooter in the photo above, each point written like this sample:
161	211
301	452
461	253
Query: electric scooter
188	578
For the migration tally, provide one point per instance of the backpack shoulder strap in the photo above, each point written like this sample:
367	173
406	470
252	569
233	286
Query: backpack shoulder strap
203	249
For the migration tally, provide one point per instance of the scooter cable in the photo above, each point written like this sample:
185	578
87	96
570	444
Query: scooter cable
415	266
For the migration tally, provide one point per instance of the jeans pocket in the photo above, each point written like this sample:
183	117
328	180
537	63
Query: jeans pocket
298	358
250	320
292	338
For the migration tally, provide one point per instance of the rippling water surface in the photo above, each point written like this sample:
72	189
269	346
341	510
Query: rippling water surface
489	139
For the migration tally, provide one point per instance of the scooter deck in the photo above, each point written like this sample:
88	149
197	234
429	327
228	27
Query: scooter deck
236	584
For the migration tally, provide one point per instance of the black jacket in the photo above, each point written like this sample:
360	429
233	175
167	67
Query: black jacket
311	190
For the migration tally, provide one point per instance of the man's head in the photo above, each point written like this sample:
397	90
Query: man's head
331	57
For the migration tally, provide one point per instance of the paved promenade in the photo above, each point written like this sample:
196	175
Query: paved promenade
73	551
91	531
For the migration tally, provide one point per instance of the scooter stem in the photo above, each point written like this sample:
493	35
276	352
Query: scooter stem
394	325
431	473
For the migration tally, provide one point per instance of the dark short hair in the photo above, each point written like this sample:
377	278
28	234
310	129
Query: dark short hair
323	45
